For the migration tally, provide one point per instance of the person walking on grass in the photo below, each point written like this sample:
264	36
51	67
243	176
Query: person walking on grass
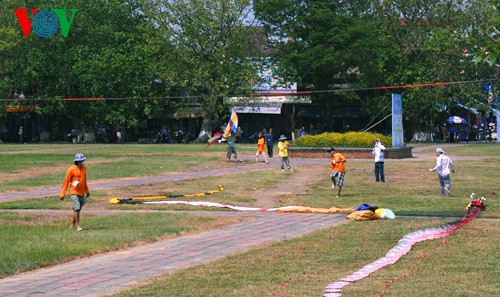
378	153
231	146
283	146
76	181
260	149
443	164
337	161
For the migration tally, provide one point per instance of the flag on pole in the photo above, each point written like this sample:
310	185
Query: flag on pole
232	124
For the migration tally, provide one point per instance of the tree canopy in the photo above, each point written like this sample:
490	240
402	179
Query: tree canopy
149	57
208	59
324	44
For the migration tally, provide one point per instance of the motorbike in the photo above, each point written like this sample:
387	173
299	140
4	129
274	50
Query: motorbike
72	136
181	136
102	135
489	132
163	136
106	137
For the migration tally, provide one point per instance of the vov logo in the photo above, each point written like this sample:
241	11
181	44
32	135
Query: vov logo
45	22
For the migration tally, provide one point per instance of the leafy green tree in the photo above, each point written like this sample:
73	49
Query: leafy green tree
208	58
327	44
105	55
489	51
427	43
324	46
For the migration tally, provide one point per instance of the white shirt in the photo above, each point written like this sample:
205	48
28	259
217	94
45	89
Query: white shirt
378	152
442	163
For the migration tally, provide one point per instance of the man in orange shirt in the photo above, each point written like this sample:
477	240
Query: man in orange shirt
337	161
76	180
260	149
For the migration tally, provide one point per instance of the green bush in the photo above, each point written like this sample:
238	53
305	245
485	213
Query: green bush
349	139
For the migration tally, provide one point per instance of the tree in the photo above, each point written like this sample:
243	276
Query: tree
489	52
324	46
106	54
427	43
357	43
207	59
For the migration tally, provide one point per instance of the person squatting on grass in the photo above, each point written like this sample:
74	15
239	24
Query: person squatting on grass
378	153
76	180
443	163
283	146
337	161
260	149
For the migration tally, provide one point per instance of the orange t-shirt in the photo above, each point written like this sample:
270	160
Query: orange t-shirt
260	145
337	162
74	174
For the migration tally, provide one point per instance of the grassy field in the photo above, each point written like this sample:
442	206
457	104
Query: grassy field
465	264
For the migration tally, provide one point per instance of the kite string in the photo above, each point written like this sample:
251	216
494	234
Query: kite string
382	110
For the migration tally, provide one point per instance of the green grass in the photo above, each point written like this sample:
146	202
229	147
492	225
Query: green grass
41	165
465	266
233	187
302	267
29	241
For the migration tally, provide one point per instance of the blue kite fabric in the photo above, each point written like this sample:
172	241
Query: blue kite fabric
364	207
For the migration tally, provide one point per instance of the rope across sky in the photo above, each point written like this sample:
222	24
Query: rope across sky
281	93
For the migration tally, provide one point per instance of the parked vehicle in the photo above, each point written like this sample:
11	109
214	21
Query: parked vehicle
164	136
181	136
102	135
107	135
72	136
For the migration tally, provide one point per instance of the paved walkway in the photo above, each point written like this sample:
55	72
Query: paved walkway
109	272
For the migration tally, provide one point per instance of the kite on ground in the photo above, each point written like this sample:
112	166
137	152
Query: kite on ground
144	199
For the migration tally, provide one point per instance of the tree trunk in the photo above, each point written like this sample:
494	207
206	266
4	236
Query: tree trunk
207	126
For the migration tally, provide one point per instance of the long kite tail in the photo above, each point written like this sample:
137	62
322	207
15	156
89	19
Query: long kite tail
404	246
142	199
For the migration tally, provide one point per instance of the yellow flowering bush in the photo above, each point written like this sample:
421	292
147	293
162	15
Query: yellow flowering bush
349	139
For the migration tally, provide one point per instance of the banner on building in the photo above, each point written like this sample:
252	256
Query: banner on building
258	109
298	99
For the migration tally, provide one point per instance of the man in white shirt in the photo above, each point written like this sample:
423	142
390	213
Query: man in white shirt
443	163
378	152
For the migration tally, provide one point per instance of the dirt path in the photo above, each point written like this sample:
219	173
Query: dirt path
296	184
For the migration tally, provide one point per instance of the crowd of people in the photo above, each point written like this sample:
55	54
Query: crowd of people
337	160
264	140
75	182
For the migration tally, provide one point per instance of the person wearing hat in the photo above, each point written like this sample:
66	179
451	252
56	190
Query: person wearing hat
337	161
283	146
378	153
443	163
76	181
